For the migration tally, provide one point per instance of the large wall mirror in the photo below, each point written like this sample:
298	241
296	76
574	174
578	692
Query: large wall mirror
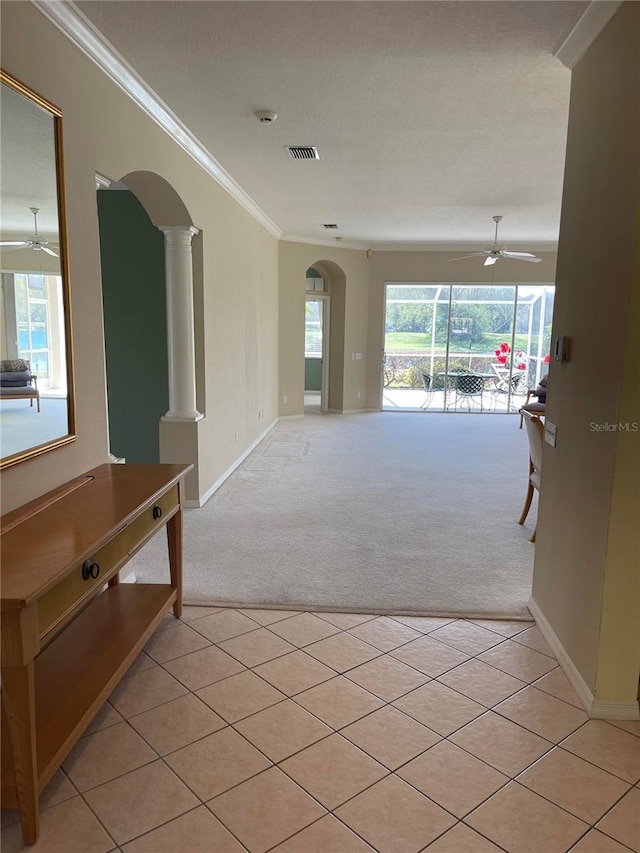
36	379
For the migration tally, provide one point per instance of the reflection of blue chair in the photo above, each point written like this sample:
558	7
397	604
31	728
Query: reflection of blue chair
17	381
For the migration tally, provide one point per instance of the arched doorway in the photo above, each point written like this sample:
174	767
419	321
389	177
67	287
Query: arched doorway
329	313
148	280
135	322
316	343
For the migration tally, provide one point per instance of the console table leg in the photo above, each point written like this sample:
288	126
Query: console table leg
174	539
19	701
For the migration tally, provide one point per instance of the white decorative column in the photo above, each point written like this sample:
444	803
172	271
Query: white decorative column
180	334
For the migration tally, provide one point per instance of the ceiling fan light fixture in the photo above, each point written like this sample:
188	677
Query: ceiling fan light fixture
38	244
496	251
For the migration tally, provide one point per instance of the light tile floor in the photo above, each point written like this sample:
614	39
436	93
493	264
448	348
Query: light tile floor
256	730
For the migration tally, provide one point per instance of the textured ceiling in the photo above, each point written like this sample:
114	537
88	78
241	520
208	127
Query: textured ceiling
27	167
429	117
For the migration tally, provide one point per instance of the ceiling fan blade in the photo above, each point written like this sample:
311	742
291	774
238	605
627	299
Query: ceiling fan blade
522	256
48	251
462	257
492	259
10	243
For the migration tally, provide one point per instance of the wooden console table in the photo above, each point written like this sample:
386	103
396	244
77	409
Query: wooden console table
66	638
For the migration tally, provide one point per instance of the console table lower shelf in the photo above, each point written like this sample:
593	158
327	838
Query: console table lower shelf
70	629
76	673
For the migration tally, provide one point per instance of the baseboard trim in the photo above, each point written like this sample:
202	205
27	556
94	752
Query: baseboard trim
197	504
599	709
606	709
569	668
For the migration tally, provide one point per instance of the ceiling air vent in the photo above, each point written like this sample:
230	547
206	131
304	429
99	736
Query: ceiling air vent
329	225
302	152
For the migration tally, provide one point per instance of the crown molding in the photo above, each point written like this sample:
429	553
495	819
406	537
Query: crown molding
79	30
585	31
517	245
331	244
522	245
102	183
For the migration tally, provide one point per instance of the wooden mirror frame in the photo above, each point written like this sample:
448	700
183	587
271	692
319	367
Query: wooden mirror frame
56	114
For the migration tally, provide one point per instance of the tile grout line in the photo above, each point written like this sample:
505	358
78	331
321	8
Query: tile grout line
382	653
389	703
386	704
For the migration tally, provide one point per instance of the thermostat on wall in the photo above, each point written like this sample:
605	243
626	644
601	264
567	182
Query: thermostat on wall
561	352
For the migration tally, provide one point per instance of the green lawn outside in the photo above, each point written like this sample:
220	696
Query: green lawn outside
420	342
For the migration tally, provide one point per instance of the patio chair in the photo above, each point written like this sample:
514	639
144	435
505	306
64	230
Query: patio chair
467	387
535	435
427	384
17	381
502	377
503	384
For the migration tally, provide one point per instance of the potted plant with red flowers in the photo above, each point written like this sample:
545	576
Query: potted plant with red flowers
506	358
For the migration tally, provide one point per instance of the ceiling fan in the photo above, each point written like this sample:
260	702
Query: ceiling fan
496	251
38	243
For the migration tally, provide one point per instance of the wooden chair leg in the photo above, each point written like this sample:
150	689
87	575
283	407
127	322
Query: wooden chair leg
38	401
527	504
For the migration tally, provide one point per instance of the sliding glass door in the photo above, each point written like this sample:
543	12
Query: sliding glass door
464	347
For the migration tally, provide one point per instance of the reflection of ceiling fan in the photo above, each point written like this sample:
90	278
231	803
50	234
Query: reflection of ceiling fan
496	251
38	243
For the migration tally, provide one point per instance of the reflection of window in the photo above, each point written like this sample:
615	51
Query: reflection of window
37	334
32	314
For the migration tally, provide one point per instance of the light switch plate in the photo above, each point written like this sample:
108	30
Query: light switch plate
550	433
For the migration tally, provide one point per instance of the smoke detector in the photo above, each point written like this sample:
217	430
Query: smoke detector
266	116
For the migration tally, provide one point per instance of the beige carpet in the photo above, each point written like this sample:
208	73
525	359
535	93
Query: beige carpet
382	513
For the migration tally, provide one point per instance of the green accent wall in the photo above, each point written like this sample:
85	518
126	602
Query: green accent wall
135	325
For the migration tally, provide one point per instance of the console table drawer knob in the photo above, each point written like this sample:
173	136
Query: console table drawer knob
157	512
90	570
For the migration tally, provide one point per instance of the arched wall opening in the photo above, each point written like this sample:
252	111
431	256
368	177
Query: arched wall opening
162	203
135	325
152	295
336	288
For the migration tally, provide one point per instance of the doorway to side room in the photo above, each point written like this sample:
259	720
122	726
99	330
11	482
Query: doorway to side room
316	337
